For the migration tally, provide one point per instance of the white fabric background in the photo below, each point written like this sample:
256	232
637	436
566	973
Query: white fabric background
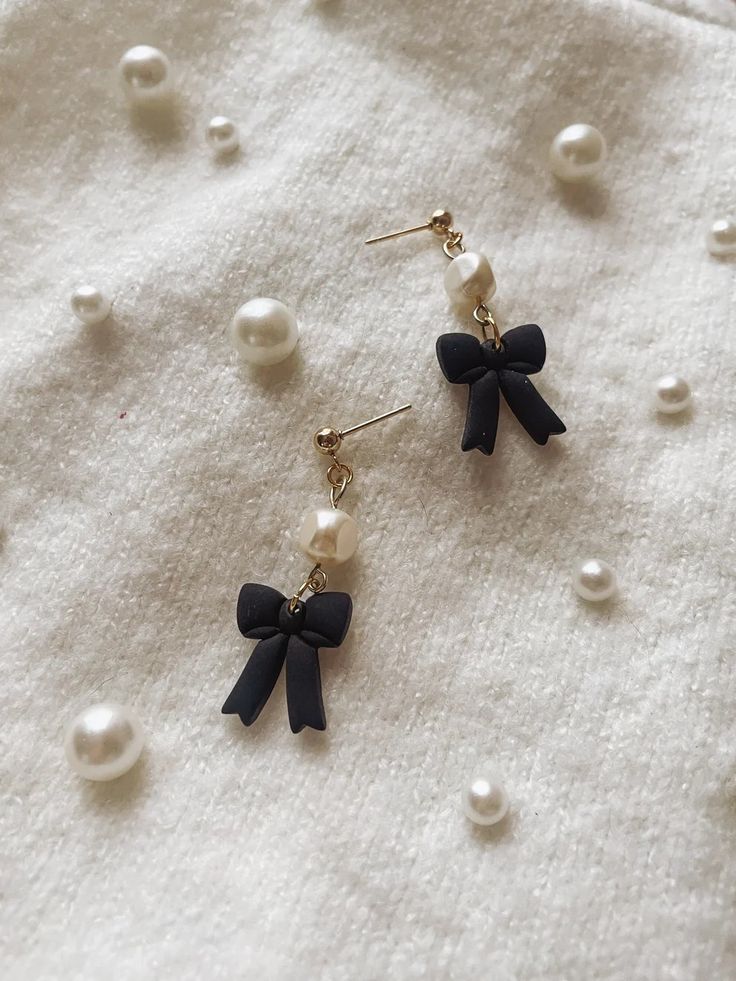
253	853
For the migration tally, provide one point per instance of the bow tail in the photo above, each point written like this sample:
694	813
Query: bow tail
529	407
304	686
255	684
481	422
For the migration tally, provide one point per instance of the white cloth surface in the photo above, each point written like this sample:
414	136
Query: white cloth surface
147	474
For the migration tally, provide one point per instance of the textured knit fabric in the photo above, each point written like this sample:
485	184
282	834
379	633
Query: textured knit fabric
147	474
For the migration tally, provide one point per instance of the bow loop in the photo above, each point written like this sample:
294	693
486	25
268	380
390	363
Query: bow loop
258	610
525	349
461	358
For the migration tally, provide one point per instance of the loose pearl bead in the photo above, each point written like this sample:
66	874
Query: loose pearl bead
672	394
90	305
145	72
328	536
485	801
104	741
722	237
577	153
470	277
222	135
264	331
594	581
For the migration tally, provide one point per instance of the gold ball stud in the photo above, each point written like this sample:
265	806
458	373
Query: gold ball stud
441	222
327	441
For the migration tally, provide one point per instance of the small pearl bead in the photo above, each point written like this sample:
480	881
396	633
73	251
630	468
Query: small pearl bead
104	741
328	536
145	72
722	237
672	394
222	135
577	153
470	277
264	331
90	305
594	581
485	801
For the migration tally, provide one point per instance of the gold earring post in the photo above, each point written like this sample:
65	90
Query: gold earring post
440	223
328	440
404	231
371	422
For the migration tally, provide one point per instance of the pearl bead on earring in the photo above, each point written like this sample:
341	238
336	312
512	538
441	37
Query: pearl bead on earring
264	331
90	305
222	135
594	581
577	153
722	237
485	801
328	536
672	394
145	72
469	277
104	741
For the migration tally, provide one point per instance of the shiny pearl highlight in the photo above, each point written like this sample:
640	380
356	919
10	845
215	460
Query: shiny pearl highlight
104	741
264	331
722	237
577	153
90	305
145	73
594	581
485	801
328	536
469	277
672	394
222	135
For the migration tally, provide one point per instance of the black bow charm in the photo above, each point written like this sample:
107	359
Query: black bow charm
263	614
464	360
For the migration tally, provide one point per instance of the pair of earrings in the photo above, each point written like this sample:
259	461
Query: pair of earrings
290	631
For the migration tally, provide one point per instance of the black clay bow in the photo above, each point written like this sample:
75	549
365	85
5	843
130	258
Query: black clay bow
465	361
263	613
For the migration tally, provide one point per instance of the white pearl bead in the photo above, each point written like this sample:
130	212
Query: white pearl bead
328	536
90	305
577	153
672	394
104	741
145	72
469	277
594	581
722	237
222	135
264	331
485	801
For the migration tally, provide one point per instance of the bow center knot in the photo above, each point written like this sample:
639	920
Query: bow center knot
292	623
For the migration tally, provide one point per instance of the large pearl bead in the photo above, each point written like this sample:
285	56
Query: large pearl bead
145	72
90	305
264	331
222	135
577	153
104	741
328	536
470	277
594	581
722	237
485	801
672	394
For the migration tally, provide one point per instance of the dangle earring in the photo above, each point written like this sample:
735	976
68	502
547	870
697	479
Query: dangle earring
292	630
502	362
